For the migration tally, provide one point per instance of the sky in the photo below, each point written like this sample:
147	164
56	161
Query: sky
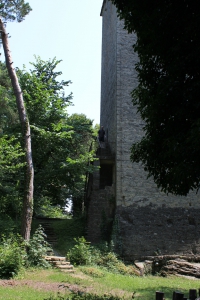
69	30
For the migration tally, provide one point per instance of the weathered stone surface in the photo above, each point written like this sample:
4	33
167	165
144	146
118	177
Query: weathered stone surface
148	231
141	267
55	258
60	263
148	221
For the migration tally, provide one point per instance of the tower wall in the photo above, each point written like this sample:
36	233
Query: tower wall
148	221
108	74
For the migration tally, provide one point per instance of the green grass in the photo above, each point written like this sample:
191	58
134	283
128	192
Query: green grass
23	293
92	278
145	287
99	282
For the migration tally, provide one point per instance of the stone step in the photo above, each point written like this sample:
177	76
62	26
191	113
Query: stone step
48	230
66	267
60	262
55	258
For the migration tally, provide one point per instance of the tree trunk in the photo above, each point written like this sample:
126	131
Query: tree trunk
26	135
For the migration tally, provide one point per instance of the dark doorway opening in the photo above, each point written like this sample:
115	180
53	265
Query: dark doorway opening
106	176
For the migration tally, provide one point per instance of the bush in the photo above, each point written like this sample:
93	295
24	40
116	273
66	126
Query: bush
91	271
112	263
84	254
12	256
15	253
80	254
37	248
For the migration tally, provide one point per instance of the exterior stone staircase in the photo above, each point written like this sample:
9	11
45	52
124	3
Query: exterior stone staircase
55	260
48	230
59	262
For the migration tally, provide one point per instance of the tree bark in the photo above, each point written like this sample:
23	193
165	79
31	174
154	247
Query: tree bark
26	135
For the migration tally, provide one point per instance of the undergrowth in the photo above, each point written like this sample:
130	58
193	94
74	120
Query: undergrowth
16	254
66	230
37	248
12	255
104	257
84	296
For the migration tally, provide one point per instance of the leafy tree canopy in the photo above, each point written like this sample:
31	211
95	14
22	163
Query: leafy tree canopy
8	113
14	10
168	92
60	143
11	154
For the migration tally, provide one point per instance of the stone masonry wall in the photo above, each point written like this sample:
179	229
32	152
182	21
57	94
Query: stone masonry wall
147	218
150	230
108	74
100	210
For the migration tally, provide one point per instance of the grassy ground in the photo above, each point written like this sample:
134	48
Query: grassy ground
43	284
49	284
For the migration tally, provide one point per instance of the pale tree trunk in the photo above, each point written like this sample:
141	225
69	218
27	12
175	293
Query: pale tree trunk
26	135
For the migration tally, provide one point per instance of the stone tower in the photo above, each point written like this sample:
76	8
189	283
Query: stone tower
146	221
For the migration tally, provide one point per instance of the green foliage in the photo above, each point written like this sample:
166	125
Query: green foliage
8	110
85	254
12	256
15	253
111	262
66	230
82	296
168	47
60	143
92	271
11	171
80	254
8	113
14	10
11	154
8	225
104	257
37	247
45	209
123	286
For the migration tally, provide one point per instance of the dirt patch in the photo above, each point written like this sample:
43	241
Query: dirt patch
44	286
